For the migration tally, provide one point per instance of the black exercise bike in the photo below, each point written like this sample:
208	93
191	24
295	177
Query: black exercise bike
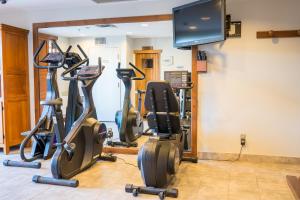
82	147
129	121
42	134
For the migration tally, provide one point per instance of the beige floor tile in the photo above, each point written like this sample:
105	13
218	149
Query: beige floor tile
207	180
276	195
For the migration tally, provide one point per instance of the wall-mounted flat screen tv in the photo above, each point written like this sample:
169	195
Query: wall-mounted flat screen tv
200	22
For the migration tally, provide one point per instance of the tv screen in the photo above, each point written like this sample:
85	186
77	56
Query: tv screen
200	22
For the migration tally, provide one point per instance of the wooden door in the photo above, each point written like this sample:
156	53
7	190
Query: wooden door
1	123
151	72
15	84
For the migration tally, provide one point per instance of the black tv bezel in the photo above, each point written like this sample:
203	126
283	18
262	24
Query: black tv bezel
192	43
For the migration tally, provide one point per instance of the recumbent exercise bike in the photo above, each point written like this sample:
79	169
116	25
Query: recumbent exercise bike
160	156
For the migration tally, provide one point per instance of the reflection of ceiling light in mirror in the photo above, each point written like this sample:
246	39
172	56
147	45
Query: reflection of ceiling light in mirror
205	18
193	27
144	25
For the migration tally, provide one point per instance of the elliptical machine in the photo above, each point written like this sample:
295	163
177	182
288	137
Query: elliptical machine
129	120
43	133
160	156
82	147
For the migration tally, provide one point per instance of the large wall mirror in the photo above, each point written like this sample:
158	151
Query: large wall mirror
148	45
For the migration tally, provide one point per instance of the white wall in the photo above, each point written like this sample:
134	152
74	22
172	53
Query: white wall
94	52
252	85
181	59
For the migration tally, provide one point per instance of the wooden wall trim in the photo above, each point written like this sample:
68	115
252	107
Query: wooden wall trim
47	36
85	22
35	33
147	51
194	102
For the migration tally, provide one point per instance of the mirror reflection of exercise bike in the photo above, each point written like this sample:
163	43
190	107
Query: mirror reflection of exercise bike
129	120
184	94
42	134
181	84
82	147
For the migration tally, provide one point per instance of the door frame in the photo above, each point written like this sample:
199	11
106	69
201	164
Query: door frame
129	19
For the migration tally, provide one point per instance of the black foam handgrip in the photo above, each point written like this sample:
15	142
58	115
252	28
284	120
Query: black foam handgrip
54	181
10	163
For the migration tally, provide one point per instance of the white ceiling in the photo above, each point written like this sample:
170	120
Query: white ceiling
31	5
134	30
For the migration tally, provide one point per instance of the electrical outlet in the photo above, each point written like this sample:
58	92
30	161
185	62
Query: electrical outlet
243	139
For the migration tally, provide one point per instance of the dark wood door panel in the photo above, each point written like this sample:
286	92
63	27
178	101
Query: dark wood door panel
17	120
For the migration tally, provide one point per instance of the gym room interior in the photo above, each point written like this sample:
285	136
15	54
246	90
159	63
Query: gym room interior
150	99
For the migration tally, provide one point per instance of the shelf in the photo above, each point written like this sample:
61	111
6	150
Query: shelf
277	34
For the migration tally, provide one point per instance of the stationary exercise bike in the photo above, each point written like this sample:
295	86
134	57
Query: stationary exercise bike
129	120
160	156
43	133
185	113
82	147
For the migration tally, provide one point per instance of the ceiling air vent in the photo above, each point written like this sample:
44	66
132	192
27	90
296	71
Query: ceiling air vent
100	41
106	26
110	1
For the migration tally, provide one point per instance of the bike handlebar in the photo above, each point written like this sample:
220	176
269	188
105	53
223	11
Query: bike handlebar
62	62
84	54
140	72
79	77
69	48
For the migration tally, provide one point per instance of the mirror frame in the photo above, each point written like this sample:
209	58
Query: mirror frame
130	19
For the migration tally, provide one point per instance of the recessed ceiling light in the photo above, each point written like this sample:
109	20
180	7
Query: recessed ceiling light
144	25
193	27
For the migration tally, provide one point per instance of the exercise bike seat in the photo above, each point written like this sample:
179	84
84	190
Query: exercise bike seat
52	102
158	94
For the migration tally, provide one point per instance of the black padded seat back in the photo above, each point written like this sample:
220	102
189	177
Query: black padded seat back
163	107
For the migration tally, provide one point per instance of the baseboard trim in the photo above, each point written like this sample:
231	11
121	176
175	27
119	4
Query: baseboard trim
247	157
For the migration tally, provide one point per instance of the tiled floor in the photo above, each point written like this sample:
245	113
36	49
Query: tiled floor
207	180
